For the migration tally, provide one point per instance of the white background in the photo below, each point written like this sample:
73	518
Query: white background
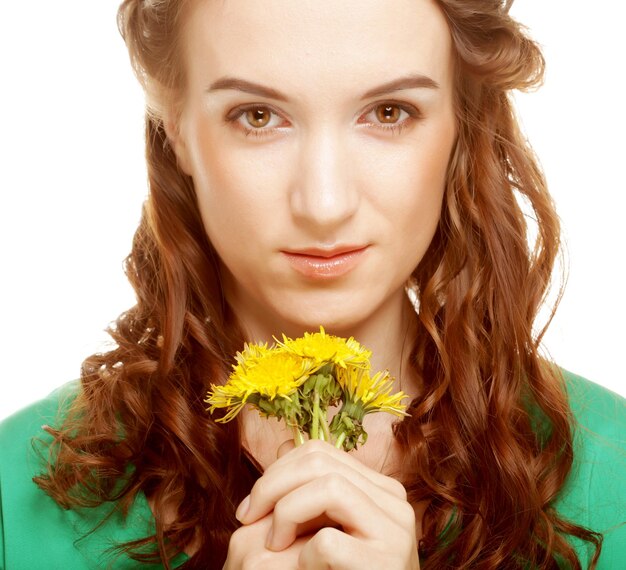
72	181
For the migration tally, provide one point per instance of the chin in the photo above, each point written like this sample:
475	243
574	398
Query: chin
336	318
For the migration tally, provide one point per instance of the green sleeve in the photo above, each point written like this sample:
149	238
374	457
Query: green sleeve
35	531
594	495
2	562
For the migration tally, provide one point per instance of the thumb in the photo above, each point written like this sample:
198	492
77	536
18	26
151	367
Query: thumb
285	447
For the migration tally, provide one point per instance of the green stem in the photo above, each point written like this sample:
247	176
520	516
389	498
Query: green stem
297	435
324	423
340	440
315	423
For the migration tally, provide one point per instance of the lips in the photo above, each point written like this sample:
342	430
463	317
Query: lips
319	263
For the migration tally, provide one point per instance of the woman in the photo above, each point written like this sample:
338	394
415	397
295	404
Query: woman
309	163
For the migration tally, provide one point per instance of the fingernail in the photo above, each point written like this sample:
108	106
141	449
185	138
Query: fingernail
242	509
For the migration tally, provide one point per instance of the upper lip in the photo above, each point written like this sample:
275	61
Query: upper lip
325	252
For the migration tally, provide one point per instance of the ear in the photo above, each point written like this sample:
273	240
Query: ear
177	142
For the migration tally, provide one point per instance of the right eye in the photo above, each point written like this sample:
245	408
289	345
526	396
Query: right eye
257	120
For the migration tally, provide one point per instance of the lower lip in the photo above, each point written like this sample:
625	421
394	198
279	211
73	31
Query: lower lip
315	267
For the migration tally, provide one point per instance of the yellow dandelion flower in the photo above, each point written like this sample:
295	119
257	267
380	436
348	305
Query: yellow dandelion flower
267	374
249	356
325	349
297	380
373	394
362	395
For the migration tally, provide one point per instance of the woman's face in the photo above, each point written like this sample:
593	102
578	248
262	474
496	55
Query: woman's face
317	134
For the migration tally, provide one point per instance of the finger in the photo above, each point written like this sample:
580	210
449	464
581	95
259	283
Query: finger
331	548
285	447
268	560
262	559
273	486
301	465
269	490
333	496
317	446
246	549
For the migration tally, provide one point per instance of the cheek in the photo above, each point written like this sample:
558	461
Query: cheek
236	192
408	182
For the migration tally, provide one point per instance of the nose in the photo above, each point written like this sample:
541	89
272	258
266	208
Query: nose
324	194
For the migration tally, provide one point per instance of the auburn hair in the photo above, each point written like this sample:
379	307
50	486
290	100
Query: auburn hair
489	440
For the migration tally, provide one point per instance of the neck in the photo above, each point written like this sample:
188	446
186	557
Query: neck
388	332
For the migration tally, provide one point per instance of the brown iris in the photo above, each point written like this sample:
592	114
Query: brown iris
258	117
388	113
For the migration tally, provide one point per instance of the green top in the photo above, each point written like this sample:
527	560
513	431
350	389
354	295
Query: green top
35	533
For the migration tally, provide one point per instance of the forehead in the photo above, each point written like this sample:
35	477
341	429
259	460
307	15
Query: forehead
312	45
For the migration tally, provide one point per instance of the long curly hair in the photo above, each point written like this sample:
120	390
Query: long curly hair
489	440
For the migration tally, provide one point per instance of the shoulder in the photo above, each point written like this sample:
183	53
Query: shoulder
22	435
26	510
599	410
35	532
594	495
27	423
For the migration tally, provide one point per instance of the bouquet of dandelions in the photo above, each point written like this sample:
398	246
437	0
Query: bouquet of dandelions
299	380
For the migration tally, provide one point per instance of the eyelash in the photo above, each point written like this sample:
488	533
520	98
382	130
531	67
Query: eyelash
393	128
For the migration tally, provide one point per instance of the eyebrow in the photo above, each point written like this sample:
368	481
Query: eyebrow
415	81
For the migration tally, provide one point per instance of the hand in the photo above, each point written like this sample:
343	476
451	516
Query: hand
325	507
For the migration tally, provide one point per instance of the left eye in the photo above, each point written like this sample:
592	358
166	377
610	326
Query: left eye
389	114
258	117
